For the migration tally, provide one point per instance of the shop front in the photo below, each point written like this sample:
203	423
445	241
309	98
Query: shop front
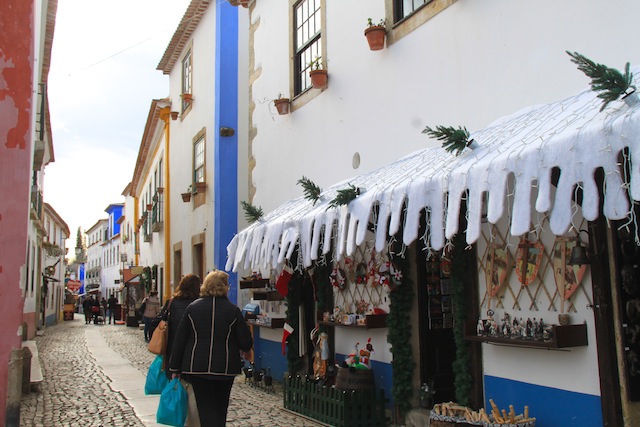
506	275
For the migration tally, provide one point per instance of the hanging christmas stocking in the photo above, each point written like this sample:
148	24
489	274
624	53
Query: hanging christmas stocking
288	329
282	284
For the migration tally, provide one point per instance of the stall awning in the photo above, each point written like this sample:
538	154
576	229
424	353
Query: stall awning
515	157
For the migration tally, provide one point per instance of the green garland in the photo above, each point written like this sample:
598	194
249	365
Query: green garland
611	83
311	190
294	362
251	213
454	140
399	336
344	196
462	375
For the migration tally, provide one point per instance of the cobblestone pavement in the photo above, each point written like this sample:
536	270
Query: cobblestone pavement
76	392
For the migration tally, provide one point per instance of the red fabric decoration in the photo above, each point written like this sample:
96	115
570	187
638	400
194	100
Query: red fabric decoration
282	284
288	329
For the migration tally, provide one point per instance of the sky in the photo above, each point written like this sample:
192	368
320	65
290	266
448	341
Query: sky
102	80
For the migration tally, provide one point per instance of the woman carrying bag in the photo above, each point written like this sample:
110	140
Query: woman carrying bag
206	350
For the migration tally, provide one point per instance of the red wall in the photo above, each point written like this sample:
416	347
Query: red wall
16	71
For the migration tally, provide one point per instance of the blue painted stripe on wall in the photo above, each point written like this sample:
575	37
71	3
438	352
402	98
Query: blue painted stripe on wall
551	407
226	148
268	354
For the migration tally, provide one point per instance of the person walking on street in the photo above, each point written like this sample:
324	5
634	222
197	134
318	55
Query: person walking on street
187	291
207	346
86	309
151	310
111	308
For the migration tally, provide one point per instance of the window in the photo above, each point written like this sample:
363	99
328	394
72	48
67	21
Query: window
198	160
186	79
307	41
404	8
407	15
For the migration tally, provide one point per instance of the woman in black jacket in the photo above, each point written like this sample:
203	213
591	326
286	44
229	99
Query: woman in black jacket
187	292
206	350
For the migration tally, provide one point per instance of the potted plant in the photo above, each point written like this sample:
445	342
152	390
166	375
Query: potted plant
174	115
187	97
317	74
282	104
245	3
186	197
376	34
149	206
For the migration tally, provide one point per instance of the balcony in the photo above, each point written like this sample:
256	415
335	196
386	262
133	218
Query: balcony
156	212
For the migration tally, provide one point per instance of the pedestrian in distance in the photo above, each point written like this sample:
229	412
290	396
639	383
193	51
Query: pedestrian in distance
103	306
206	350
151	310
95	309
86	309
111	308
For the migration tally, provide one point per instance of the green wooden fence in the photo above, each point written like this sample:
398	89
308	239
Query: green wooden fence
339	408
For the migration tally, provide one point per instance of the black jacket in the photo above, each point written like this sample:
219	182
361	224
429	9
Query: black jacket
209	339
174	313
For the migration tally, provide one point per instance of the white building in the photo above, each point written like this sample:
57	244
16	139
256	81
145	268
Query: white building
96	237
450	63
54	265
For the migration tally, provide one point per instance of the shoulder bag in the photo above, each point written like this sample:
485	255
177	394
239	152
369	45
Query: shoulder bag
158	343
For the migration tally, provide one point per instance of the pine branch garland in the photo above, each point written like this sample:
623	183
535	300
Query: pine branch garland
611	83
311	190
454	140
345	196
251	213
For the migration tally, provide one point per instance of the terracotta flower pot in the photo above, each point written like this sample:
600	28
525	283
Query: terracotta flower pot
318	78
282	105
187	97
174	115
375	36
186	197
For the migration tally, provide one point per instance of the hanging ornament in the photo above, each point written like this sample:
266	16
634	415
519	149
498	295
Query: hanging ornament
497	265
396	275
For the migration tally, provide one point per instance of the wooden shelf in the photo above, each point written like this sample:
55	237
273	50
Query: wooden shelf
268	295
276	323
255	283
374	321
563	337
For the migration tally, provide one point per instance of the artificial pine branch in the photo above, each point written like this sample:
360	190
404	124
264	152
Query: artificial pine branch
344	196
311	190
611	83
453	139
251	213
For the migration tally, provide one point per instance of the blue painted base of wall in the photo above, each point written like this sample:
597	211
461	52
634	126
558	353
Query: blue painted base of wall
551	407
50	320
268	354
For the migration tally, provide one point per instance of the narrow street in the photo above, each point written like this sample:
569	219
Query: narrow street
94	376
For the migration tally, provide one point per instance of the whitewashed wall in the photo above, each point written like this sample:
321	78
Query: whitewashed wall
186	221
471	64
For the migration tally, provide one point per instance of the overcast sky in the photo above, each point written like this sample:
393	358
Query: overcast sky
103	78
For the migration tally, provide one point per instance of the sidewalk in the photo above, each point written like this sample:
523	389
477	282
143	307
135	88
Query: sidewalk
125	378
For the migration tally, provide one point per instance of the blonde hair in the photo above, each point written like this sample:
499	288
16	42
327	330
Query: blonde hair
216	284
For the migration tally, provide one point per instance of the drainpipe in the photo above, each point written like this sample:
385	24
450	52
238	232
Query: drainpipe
165	114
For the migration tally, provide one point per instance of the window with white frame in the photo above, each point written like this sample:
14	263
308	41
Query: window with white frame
198	160
187	76
307	41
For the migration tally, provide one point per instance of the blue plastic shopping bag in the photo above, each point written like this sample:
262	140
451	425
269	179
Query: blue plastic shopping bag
156	378
172	409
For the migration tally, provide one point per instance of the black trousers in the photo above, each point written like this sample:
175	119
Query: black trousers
212	398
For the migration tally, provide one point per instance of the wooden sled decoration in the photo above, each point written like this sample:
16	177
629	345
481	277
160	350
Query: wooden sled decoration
568	277
528	260
497	269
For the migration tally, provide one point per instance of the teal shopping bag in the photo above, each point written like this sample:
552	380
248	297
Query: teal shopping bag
172	409
156	378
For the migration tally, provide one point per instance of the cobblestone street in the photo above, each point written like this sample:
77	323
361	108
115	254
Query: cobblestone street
77	390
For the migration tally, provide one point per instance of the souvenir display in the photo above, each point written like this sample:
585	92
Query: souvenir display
568	277
452	414
497	269
529	256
